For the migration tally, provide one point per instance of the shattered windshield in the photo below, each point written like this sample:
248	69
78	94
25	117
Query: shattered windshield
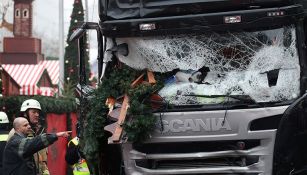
262	65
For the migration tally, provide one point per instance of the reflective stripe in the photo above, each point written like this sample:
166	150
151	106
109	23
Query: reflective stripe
75	141
42	131
81	168
81	173
3	137
21	147
46	172
44	139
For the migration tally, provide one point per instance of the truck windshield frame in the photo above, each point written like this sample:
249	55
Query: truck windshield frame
262	64
121	31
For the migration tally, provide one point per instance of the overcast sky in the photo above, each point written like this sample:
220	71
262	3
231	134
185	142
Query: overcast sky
46	20
46	14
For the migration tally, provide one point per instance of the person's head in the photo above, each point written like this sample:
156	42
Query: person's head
21	125
4	121
3	118
31	108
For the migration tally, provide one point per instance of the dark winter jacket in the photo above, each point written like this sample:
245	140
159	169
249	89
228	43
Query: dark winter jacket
3	138
73	154
18	153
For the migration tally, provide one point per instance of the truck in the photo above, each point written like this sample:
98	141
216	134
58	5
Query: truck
232	99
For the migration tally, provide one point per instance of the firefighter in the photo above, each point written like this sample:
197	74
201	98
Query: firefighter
4	133
31	110
18	153
75	158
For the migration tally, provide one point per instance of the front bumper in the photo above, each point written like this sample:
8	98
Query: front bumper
204	153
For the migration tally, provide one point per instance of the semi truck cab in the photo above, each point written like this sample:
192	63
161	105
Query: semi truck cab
234	73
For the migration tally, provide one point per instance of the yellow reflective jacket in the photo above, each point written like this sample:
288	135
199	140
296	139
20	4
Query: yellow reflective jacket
3	137
81	167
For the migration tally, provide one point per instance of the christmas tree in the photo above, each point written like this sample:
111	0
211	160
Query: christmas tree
71	73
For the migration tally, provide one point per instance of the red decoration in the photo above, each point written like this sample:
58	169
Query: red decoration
56	152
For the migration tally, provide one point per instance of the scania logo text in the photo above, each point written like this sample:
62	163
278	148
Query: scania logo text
195	125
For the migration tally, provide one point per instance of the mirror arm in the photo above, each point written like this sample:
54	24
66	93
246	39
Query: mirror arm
82	70
79	34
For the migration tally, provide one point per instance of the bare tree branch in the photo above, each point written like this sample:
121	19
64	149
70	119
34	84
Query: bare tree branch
4	7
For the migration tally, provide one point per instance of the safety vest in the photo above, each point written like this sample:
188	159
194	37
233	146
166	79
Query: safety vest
81	167
3	137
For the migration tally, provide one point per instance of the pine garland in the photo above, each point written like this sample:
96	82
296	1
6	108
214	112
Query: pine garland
140	116
139	122
11	105
94	136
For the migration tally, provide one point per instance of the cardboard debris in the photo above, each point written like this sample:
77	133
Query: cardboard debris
119	114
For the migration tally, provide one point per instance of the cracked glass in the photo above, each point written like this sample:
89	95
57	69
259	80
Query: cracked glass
263	65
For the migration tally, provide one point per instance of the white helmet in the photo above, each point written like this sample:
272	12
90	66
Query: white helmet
30	104
3	118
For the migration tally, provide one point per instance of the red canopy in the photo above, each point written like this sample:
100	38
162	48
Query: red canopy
28	75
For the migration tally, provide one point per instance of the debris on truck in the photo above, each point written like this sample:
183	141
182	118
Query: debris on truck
229	80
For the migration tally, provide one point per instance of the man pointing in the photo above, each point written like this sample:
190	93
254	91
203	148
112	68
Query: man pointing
18	154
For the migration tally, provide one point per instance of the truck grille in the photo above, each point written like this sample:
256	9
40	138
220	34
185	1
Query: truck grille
196	148
246	157
246	149
188	147
197	163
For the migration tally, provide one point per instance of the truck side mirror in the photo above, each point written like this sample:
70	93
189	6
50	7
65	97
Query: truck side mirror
121	49
78	34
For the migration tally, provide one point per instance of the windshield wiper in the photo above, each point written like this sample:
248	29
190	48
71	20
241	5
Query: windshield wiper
242	98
